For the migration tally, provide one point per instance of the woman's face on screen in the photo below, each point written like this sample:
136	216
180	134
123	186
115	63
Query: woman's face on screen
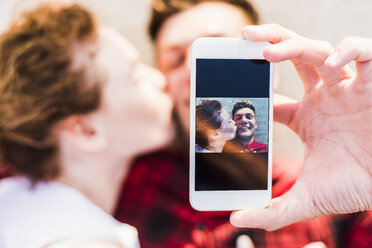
228	128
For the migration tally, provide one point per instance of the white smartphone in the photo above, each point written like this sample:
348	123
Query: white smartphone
230	125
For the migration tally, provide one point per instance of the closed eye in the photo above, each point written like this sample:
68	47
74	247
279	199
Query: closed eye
238	117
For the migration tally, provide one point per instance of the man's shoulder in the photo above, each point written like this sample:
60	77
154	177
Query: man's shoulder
232	146
259	144
260	147
232	141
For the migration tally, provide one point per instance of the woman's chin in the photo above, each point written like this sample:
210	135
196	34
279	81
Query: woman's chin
232	136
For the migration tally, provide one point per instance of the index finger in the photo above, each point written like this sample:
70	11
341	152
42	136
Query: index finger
310	52
273	33
357	49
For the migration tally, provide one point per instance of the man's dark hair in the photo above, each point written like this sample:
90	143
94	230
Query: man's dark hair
164	9
243	104
208	117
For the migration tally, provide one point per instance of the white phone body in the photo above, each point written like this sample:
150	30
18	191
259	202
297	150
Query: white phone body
217	199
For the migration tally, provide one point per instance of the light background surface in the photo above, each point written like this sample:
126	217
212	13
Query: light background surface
329	20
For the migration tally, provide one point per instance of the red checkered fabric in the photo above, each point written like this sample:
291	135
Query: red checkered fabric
155	200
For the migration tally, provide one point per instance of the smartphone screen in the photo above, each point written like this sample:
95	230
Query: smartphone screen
232	124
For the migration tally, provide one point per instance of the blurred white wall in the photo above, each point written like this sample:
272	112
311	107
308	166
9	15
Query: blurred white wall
318	19
129	17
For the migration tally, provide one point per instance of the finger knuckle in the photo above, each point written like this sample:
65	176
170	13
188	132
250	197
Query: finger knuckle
276	26
349	41
325	45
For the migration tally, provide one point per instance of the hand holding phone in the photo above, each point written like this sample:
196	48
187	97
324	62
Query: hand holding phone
333	120
230	124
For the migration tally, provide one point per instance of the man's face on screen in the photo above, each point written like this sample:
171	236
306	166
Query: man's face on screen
246	124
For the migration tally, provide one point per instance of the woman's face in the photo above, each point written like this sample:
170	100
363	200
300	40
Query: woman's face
228	128
175	38
135	112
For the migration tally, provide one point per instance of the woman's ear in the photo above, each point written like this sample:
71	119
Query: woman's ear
83	133
213	133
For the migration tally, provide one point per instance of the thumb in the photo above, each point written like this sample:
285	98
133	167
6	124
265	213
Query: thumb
284	109
282	211
315	245
244	241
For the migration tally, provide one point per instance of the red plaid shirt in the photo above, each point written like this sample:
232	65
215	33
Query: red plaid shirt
155	200
235	146
357	230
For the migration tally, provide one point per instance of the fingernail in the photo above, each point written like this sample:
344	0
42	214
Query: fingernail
321	245
248	29
251	27
315	245
235	216
244	241
332	59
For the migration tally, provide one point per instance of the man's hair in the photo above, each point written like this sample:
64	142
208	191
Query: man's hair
39	87
242	104
164	9
208	117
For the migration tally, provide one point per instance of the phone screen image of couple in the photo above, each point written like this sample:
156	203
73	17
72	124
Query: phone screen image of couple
232	124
